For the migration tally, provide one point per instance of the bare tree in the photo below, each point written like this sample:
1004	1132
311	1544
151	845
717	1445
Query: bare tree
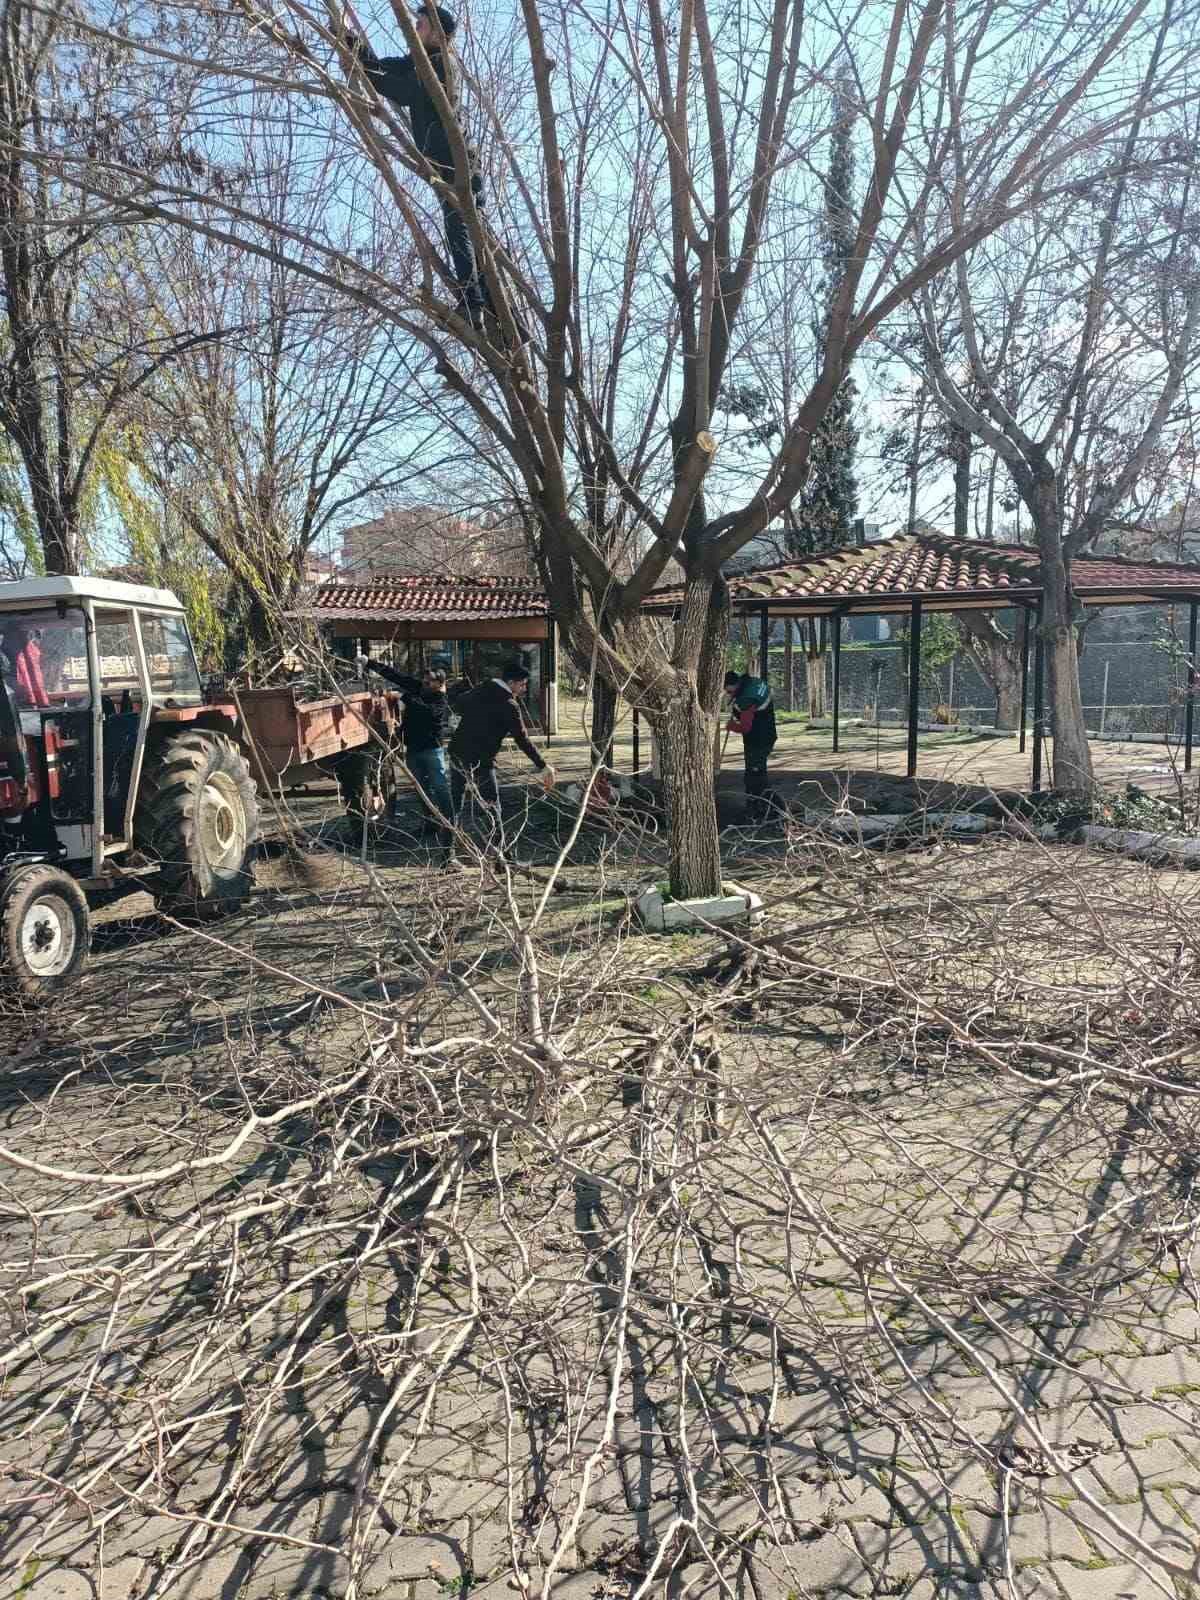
261	442
1078	332
723	148
70	356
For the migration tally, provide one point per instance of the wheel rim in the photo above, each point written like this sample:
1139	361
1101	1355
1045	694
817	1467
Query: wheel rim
222	823
48	936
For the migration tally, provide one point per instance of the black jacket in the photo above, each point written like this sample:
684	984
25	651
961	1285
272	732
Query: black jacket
397	79
426	716
489	715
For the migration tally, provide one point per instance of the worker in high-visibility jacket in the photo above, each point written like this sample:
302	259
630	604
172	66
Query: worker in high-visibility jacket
752	714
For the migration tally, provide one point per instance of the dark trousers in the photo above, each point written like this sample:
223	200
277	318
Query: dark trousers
755	757
483	777
462	259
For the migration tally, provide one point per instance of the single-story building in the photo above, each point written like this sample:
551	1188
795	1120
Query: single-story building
480	622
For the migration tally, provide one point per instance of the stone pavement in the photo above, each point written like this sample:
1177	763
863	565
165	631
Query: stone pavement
911	1326
857	1459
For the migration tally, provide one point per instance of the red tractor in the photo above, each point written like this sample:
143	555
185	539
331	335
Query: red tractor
114	771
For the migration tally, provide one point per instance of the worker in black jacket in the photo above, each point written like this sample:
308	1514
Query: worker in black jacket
397	80
487	716
425	728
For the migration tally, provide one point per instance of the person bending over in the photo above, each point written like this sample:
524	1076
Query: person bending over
752	714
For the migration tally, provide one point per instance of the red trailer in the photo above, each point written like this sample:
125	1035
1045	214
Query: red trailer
351	737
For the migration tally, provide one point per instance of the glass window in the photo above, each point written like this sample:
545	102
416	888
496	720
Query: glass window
173	674
43	659
117	653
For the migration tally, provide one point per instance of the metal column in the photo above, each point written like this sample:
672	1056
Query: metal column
1039	699
637	740
835	624
1189	715
914	684
1024	674
764	642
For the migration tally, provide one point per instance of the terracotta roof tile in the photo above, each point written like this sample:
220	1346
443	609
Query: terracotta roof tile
381	598
932	565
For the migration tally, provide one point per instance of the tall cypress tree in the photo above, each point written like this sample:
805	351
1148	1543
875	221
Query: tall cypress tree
825	511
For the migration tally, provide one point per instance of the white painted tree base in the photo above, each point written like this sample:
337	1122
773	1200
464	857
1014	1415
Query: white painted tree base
667	916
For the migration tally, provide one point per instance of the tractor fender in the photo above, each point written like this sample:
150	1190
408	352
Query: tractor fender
220	718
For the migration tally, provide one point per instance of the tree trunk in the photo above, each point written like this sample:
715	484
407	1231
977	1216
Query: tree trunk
604	719
252	640
686	732
914	466
814	667
998	659
1072	757
686	721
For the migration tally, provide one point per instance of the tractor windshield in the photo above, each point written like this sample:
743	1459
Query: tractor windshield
43	659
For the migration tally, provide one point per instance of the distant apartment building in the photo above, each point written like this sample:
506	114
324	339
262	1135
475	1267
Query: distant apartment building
318	569
421	541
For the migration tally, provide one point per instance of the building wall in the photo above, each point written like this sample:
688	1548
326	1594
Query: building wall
423	541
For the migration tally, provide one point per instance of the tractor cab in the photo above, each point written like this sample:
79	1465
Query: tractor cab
100	703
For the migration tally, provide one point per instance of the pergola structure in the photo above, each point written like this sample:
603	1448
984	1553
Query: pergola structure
480	618
916	573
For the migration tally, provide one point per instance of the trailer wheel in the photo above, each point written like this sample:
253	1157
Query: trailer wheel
198	816
45	932
365	783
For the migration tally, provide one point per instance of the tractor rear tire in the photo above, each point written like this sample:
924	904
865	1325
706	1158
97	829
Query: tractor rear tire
365	784
45	932
198	816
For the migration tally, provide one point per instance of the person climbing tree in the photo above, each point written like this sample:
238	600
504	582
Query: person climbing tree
397	79
752	714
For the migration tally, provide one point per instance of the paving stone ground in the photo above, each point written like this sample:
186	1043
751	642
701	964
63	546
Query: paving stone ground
866	1442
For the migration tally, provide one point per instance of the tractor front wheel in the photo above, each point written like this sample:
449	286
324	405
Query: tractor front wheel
198	817
45	933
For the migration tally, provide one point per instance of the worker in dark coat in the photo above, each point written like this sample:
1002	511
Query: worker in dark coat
487	716
397	80
425	729
752	714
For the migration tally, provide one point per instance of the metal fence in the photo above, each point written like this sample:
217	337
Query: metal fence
1131	689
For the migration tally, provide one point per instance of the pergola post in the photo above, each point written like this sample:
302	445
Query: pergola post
1189	715
764	642
835	624
1024	675
637	741
914	684
1039	699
